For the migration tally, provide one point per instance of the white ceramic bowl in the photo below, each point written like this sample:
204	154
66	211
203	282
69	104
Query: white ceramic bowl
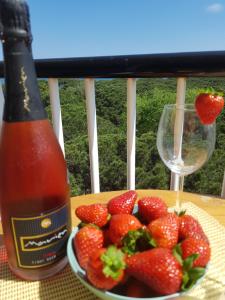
80	274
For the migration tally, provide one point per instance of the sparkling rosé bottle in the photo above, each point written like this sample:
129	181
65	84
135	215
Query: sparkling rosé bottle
34	193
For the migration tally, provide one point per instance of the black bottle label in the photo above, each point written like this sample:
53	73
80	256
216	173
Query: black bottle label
23	101
41	240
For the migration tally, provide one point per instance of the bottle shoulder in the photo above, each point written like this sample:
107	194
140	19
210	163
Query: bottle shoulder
30	143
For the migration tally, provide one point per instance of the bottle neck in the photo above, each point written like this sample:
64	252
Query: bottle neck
23	101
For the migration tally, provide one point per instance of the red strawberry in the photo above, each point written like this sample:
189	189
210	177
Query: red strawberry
94	213
208	107
137	289
157	268
122	204
191	246
87	239
106	267
190	227
164	230
151	208
119	226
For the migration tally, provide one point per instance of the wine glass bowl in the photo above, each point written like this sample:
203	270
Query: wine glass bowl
183	142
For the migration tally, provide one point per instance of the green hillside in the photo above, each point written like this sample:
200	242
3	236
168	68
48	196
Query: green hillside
152	95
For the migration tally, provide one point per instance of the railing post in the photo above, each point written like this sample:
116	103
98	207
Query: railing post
56	111
180	100
131	132
223	187
92	133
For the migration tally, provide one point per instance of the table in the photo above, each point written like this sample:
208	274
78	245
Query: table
65	286
213	206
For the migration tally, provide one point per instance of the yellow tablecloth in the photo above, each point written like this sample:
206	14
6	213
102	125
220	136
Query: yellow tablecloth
209	211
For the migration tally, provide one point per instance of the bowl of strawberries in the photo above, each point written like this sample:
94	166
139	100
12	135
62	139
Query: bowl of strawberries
123	250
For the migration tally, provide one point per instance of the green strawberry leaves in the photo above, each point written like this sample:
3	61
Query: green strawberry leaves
138	239
114	262
180	213
130	241
211	91
190	274
177	253
188	262
83	224
191	277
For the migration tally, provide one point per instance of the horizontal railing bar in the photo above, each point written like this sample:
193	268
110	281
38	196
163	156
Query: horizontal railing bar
186	64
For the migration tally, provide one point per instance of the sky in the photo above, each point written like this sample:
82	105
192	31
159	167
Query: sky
80	28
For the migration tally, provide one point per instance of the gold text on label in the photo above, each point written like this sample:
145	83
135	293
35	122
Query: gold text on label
26	95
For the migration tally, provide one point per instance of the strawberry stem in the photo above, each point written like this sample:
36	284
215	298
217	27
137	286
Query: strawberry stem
113	261
180	213
191	277
83	224
133	237
211	91
190	274
177	253
188	262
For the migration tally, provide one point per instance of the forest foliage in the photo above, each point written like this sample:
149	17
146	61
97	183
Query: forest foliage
111	106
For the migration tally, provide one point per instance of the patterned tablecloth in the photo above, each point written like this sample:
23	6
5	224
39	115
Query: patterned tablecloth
66	286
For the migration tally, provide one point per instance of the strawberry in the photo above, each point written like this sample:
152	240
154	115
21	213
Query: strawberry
191	246
119	226
137	289
164	230
151	208
122	204
93	213
87	239
208	106
158	269
190	227
106	267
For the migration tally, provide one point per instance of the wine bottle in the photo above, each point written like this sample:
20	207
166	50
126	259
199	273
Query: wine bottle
34	193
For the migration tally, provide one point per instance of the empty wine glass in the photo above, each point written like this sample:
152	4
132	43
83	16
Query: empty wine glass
184	143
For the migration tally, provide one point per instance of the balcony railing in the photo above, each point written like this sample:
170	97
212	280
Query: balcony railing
177	65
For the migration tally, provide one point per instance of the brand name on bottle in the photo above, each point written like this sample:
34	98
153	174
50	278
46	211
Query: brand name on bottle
43	241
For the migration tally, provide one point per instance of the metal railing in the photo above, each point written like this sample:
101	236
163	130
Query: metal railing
178	65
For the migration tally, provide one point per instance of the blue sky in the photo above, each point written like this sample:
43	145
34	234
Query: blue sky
76	28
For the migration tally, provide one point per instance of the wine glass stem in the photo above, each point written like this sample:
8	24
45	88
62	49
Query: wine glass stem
180	189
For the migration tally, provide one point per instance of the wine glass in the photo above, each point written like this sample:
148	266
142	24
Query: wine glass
184	143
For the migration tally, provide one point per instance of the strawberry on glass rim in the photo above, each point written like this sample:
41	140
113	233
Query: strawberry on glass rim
209	105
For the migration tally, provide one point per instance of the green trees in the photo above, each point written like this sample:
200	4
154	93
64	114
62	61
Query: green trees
152	95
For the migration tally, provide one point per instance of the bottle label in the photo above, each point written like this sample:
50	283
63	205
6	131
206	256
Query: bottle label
23	100
41	240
